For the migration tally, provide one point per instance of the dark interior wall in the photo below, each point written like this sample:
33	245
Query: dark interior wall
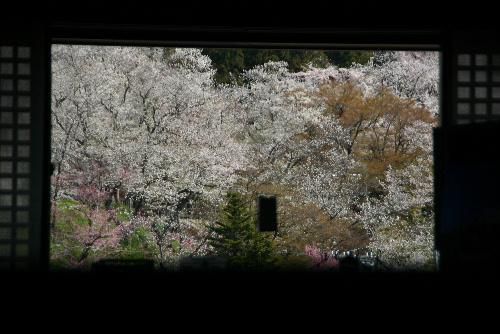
360	14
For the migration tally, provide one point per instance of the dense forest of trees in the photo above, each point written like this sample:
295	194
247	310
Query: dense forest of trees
231	63
160	154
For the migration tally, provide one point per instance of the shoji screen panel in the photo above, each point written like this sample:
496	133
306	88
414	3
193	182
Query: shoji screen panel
476	78
478	87
23	147
466	151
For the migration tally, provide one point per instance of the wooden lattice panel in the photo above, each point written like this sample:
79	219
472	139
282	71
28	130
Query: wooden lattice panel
15	153
477	93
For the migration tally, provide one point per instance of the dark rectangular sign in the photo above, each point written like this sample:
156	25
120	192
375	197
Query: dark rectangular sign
267	215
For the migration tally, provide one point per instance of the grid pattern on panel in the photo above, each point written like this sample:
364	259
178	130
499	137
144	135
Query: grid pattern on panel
477	88
15	138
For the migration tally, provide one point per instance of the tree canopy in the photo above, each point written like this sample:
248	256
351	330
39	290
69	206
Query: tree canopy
231	63
150	150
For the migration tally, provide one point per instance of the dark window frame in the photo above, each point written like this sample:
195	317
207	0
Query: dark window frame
240	37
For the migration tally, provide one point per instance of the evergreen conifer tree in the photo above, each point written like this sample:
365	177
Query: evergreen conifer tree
236	238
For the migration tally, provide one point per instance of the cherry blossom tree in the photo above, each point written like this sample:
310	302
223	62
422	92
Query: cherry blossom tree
144	122
413	75
320	259
148	128
401	223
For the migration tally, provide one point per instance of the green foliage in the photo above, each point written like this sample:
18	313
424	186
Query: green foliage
230	63
136	245
63	246
123	213
236	237
67	204
69	214
297	60
346	58
66	249
176	246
